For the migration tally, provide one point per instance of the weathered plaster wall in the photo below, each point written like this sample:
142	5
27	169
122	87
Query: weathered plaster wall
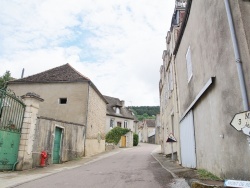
158	139
76	94
93	146
72	143
144	134
220	148
129	139
241	10
169	103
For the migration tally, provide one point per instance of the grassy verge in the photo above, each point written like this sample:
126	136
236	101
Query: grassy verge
203	174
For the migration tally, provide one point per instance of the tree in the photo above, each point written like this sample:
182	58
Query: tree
4	79
145	112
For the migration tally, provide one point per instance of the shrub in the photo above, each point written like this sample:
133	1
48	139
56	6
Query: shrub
135	139
114	135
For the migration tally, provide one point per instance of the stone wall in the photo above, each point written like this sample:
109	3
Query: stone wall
151	139
25	159
129	139
95	137
72	142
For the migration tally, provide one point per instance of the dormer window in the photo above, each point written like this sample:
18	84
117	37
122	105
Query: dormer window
117	110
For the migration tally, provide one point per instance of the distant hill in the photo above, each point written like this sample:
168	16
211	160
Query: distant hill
145	112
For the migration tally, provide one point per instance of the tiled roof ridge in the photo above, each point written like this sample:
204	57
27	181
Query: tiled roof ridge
37	78
77	71
113	101
112	97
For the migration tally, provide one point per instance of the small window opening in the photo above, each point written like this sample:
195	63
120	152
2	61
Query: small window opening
63	101
117	110
125	124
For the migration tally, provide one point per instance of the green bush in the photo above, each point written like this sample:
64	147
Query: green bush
135	139
114	135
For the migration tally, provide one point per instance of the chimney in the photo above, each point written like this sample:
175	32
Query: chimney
22	73
123	103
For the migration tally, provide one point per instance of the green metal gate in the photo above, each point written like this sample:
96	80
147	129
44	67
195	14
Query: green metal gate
11	119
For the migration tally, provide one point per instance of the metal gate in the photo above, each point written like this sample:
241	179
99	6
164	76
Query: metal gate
11	120
188	153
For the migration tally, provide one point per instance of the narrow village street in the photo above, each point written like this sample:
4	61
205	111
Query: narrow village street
129	167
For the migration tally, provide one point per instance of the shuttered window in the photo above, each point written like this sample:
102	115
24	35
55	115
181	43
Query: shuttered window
189	64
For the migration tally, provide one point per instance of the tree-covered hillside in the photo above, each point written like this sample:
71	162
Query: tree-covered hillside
145	112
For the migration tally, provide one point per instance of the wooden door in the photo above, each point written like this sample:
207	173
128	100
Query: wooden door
123	141
57	145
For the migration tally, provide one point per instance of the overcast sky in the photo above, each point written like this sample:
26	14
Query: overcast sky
118	44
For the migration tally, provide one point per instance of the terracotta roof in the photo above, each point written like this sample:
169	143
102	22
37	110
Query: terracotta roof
115	102
150	122
64	73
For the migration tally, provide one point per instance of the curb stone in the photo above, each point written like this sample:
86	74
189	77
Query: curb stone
194	183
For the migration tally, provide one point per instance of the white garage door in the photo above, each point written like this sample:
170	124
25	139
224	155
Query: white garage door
188	154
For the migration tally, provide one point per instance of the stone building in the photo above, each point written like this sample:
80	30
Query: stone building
118	115
211	57
73	108
169	113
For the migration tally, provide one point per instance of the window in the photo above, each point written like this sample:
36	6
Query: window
117	110
112	123
63	101
166	94
125	124
189	64
169	79
119	124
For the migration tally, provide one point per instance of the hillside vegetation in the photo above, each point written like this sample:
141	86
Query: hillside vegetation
145	112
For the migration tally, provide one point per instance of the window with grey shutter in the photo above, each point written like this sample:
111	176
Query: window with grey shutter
189	64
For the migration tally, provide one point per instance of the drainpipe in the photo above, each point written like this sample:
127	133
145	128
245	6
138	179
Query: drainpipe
14	165
86	125
237	57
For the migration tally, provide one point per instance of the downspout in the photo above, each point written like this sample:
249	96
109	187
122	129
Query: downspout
86	125
14	165
237	57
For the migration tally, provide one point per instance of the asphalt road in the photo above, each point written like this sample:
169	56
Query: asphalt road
132	167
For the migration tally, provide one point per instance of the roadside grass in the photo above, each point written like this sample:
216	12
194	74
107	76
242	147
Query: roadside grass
205	175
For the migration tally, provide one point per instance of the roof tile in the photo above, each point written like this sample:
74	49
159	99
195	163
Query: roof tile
115	102
64	73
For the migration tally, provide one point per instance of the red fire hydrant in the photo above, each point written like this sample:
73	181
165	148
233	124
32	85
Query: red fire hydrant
43	158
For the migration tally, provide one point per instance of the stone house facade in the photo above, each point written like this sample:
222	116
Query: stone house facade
118	114
71	98
212	81
146	130
169	113
158	139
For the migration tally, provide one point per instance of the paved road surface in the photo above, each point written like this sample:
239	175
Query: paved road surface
132	168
